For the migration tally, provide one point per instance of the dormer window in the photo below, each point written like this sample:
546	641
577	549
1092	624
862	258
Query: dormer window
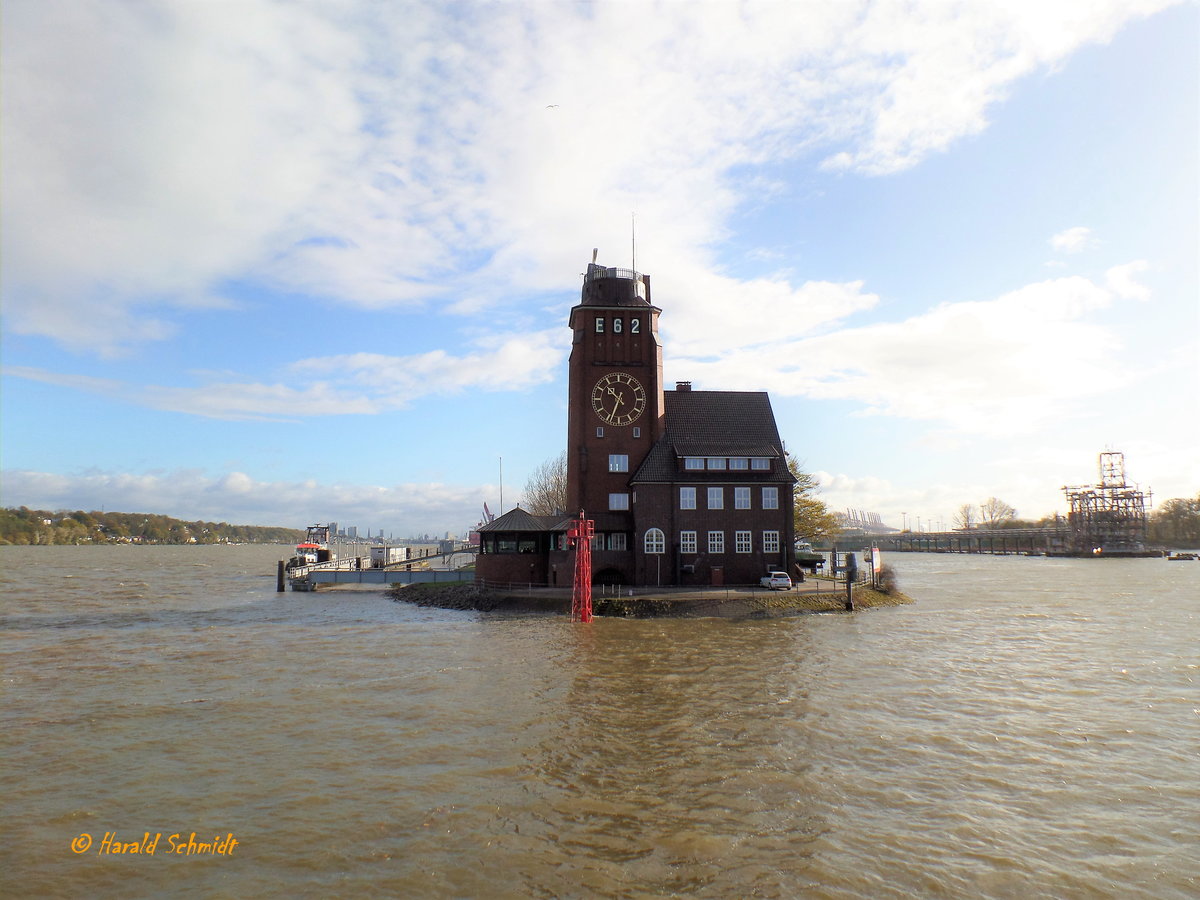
760	464
693	463
716	462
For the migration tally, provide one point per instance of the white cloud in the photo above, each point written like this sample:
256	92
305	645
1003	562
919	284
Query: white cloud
999	366
359	383
1120	280
236	497
1072	240
387	154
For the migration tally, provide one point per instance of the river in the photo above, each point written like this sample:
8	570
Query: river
1029	728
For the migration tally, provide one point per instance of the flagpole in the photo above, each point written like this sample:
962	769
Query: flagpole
501	485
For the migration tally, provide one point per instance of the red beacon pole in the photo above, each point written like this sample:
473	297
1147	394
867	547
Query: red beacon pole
579	536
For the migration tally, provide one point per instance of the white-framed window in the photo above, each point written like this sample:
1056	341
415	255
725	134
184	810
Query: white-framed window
716	462
739	462
599	431
716	498
687	498
616	540
770	542
693	462
770	497
742	542
599	325
760	463
637	429
618	501
716	542
618	462
597	542
687	542
655	541
741	498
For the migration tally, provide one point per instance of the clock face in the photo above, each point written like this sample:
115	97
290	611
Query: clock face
618	399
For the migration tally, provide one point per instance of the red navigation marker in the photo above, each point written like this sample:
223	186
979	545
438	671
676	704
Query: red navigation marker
579	536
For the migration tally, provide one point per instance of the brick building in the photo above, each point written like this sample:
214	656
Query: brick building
684	487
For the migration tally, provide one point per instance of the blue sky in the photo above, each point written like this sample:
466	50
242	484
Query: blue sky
280	263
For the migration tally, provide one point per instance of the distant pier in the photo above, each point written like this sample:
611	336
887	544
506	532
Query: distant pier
1051	540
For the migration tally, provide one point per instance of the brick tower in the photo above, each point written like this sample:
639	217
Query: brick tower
615	404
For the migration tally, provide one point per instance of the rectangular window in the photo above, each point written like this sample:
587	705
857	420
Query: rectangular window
599	325
693	462
770	498
599	431
616	540
741	498
742	542
739	462
597	542
716	498
618	462
770	542
716	462
716	542
618	501
760	464
687	498
687	542
637	431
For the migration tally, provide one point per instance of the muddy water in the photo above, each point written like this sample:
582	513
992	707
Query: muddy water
1028	729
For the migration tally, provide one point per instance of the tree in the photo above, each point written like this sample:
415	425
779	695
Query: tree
546	489
966	517
812	519
995	512
1176	523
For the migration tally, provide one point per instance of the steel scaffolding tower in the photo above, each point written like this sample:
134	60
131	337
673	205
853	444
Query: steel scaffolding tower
1109	517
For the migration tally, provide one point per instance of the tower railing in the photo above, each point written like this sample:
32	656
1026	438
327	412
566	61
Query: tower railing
595	272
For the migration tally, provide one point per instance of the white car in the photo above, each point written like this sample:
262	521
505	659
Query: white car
777	581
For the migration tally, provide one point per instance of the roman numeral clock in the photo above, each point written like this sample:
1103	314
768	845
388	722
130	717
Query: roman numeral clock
618	399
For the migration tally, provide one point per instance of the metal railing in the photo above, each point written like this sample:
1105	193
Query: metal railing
596	272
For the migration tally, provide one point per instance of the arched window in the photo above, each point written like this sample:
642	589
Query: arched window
655	541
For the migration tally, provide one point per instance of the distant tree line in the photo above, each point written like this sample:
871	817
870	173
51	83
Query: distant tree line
36	526
1176	523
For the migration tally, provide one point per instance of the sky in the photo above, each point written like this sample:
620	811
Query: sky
280	263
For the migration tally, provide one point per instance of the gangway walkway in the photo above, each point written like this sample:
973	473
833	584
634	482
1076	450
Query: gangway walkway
351	570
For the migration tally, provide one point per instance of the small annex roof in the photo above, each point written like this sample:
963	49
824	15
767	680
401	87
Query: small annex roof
517	519
714	423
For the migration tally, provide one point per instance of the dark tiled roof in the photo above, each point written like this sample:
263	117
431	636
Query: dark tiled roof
516	519
724	448
715	423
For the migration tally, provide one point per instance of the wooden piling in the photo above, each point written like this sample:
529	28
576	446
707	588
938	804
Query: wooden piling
279	578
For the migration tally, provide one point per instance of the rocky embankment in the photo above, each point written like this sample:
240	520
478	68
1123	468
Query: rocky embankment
448	596
730	604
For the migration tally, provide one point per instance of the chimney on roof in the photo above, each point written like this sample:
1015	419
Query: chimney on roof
683	385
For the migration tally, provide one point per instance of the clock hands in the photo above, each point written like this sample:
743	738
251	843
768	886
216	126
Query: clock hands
620	399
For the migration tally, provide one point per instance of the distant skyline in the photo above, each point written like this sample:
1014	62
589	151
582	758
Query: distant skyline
277	263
